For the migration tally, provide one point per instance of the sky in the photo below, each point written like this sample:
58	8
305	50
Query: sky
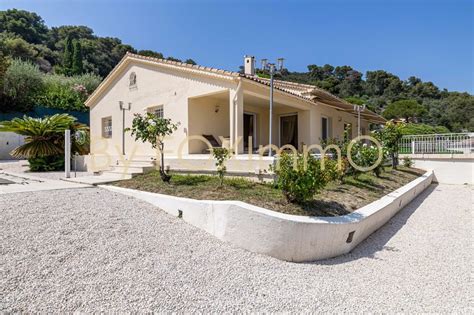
432	40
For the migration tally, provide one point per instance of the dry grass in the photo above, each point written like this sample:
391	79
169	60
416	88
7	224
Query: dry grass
336	199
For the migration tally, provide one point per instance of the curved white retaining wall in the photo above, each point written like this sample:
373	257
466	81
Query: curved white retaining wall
284	236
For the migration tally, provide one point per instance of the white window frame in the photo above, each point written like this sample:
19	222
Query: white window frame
156	110
107	129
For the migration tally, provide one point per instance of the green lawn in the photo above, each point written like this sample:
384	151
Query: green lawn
336	199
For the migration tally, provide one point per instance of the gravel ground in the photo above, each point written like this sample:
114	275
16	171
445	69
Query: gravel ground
21	166
93	250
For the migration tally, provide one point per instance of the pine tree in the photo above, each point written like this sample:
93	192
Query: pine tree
77	67
67	57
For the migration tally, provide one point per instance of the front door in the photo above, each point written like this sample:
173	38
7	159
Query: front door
289	130
249	130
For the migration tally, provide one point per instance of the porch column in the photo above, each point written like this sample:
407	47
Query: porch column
236	116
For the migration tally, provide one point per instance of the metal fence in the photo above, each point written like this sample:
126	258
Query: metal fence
449	143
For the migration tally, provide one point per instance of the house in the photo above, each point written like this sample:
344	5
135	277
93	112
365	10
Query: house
224	105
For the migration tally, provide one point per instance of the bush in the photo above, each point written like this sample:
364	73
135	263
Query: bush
299	181
332	171
407	162
46	163
422	129
221	155
67	93
364	155
22	84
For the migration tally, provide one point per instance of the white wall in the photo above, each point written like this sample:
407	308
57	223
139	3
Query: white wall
8	142
155	86
283	236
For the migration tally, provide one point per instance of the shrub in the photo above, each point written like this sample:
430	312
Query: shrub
364	155
332	171
67	93
418	129
299	181
221	155
44	139
407	162
46	163
22	84
346	167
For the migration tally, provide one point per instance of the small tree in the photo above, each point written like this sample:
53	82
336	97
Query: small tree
390	137
221	155
153	129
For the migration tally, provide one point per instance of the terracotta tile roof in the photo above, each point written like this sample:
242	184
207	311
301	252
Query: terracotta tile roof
183	64
305	92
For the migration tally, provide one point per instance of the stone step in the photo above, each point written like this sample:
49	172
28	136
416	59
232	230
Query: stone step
135	163
138	169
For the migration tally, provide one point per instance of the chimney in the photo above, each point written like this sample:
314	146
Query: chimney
249	65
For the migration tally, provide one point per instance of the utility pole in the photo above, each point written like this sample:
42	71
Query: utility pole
272	68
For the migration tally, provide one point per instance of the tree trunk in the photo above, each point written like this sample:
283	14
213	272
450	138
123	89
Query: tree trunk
164	177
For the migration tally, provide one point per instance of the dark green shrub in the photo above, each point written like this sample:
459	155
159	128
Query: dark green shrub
46	163
407	162
299	178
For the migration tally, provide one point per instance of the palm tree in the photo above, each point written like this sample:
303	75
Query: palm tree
44	137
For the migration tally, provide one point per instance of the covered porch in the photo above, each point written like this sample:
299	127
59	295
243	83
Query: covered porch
241	118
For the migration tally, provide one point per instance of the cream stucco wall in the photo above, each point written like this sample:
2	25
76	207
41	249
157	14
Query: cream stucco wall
155	86
192	99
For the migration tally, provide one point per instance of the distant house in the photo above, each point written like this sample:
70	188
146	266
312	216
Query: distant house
222	105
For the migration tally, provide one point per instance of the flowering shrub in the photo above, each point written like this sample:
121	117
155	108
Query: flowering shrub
79	88
367	156
298	180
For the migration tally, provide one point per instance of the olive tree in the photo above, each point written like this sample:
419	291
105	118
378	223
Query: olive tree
153	129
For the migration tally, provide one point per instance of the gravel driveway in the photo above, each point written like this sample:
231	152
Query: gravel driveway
91	250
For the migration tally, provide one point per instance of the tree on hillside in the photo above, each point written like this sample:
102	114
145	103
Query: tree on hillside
28	25
68	56
410	110
190	61
77	67
22	82
151	53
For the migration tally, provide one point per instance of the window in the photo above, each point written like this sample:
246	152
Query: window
157	110
107	127
132	79
324	128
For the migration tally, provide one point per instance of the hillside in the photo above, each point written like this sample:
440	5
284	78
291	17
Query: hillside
71	60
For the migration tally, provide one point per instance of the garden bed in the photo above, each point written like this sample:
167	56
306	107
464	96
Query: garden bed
334	200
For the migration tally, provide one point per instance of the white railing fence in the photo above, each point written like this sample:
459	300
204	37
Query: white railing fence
449	143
